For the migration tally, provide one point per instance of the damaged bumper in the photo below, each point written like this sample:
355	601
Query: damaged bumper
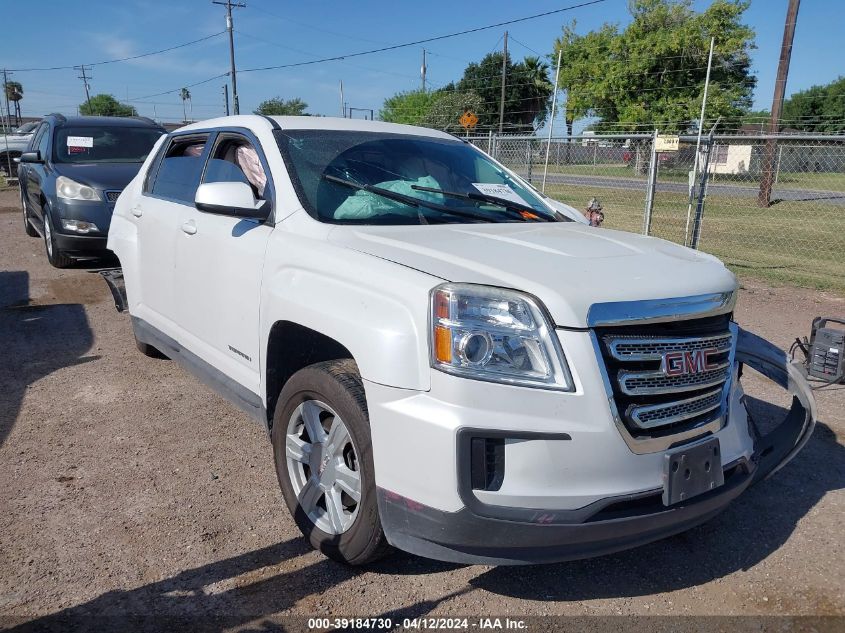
615	523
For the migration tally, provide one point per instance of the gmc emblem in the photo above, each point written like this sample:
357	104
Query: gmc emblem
694	362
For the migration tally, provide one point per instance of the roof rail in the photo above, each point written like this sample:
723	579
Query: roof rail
273	123
60	117
145	118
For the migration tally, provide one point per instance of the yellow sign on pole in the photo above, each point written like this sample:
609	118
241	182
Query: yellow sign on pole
468	119
666	144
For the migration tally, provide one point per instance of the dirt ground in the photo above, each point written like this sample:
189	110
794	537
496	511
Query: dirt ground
126	486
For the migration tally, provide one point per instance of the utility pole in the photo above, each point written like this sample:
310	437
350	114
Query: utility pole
7	126
552	120
697	141
422	71
504	78
226	97
85	79
342	102
230	27
764	197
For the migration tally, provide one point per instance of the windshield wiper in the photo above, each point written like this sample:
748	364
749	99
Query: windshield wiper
516	208
411	201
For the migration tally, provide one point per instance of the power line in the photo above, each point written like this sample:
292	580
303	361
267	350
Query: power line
167	92
123	59
424	41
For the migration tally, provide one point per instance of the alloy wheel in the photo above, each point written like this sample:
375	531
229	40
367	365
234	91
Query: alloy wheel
48	235
323	466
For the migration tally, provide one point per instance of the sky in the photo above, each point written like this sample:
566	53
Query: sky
274	32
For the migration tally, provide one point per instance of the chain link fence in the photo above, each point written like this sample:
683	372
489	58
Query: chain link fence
794	234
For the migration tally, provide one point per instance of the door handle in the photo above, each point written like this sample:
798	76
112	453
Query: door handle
189	227
137	212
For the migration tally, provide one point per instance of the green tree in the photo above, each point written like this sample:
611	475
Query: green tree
581	56
14	93
652	72
528	92
817	109
106	105
185	95
407	107
448	106
282	107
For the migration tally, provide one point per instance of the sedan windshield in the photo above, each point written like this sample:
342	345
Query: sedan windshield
357	177
118	144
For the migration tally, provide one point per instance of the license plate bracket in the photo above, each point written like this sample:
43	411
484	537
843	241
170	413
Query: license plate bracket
691	471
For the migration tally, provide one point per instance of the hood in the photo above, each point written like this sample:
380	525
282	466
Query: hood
570	212
104	176
15	142
567	266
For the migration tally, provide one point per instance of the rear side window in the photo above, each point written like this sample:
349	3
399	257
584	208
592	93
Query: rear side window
178	175
36	139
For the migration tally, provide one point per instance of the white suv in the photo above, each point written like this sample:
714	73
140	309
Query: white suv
443	361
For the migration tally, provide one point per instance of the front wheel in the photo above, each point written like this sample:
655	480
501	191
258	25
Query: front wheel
55	255
27	225
324	461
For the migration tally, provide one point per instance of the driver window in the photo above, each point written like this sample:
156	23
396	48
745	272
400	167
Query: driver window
237	160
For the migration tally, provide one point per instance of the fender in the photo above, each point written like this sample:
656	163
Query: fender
378	310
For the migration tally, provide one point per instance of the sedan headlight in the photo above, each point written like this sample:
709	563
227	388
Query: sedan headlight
71	190
495	334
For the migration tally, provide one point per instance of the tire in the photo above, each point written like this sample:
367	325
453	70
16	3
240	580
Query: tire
349	531
27	225
148	350
55	255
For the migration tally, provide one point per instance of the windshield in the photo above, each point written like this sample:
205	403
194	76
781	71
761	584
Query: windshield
118	144
355	177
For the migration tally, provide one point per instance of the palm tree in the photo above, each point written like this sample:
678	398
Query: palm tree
536	75
14	93
185	94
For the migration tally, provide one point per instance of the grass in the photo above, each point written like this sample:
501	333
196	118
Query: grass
794	242
825	181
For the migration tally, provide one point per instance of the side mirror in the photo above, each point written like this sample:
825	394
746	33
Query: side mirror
231	198
31	157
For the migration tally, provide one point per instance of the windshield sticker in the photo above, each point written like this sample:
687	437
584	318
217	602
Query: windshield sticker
77	150
500	191
80	141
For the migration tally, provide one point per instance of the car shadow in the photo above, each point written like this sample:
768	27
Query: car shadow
746	533
232	592
36	340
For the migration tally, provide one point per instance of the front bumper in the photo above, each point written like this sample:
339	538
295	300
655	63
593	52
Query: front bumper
574	490
76	244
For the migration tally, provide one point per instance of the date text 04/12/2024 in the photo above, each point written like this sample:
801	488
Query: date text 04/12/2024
384	624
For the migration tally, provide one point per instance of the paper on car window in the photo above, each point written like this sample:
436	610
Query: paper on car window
80	141
500	191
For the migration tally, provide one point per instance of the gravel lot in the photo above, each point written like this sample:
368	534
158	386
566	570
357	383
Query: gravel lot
126	486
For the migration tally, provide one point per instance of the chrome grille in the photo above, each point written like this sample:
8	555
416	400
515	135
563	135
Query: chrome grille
112	196
643	383
668	378
649	416
639	348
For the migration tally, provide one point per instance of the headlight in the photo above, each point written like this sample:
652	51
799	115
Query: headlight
495	334
72	190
